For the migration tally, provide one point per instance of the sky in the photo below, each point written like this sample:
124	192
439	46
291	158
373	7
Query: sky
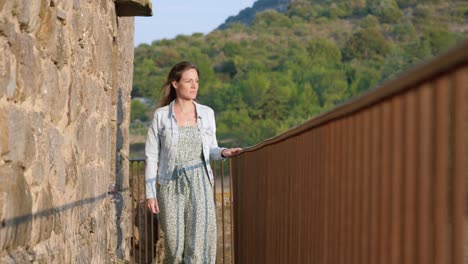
185	17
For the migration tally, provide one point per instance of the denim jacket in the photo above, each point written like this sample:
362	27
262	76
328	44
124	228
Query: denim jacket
161	145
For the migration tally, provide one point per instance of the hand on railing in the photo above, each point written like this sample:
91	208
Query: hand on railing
153	205
227	153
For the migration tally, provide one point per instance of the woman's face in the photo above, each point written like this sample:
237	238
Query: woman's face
187	87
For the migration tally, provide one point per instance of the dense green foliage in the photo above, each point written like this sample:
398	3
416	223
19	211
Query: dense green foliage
139	111
247	15
284	68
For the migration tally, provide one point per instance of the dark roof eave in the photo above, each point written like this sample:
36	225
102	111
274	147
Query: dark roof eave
125	8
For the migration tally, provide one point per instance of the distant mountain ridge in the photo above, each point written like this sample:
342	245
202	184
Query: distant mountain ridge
247	15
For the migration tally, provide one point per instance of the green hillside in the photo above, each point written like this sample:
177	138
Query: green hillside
284	68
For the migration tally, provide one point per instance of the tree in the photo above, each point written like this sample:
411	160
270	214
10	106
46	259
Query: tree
324	51
365	44
227	67
148	83
439	38
234	128
387	10
406	3
254	87
271	18
361	77
301	9
138	111
232	49
404	31
394	63
370	21
307	103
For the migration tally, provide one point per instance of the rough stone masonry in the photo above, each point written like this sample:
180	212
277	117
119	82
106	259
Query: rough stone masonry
65	79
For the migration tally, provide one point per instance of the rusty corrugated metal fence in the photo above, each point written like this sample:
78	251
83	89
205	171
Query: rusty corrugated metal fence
378	180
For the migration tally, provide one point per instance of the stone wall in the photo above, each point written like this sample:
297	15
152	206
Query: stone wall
65	80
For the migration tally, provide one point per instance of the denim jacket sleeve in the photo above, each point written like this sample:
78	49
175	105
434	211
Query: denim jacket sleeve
152	149
215	150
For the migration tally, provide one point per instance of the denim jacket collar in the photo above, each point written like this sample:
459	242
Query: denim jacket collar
171	112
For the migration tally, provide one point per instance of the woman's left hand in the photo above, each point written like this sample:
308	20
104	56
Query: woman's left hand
227	153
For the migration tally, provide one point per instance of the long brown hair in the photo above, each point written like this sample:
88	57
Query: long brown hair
169	92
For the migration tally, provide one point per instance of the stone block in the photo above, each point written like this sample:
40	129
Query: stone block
36	165
104	6
103	53
53	37
20	135
7	29
49	85
104	107
11	78
4	65
54	89
63	93
75	97
35	174
86	138
89	182
38	124
76	4
104	146
44	219
57	173
79	137
15	207
63	51
89	95
2	3
4	135
16	257
7	69
71	168
62	16
46	25
92	142
133	8
53	145
29	67
28	14
8	260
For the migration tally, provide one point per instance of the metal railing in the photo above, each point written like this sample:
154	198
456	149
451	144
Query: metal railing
147	239
380	179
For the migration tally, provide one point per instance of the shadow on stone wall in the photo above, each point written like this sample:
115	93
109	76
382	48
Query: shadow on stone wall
119	177
52	211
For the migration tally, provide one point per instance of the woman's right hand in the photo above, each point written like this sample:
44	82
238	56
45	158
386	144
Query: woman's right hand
153	205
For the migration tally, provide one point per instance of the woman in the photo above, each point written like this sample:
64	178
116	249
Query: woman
181	142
